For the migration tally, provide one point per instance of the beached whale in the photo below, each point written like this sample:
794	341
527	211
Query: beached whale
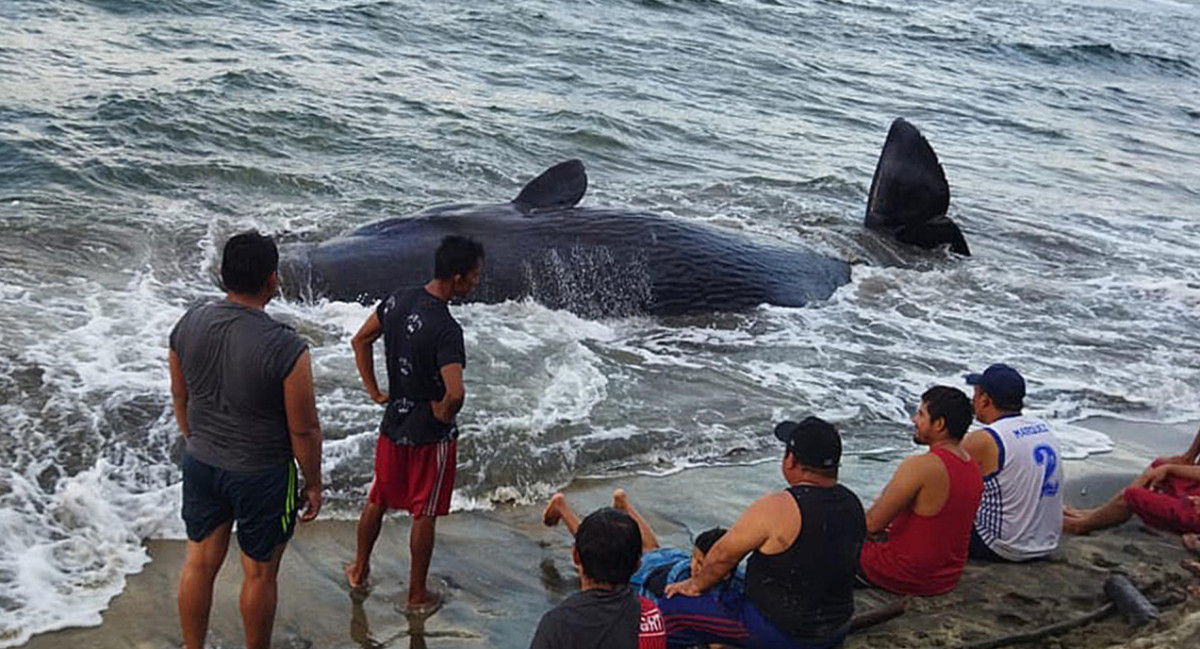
600	262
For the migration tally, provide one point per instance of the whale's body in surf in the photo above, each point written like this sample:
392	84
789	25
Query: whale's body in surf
610	262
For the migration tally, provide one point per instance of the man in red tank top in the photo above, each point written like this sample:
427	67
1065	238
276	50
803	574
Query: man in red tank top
921	523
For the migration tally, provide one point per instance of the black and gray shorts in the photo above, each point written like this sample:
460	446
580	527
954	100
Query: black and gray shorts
262	504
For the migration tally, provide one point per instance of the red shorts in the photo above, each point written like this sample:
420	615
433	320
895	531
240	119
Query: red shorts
1167	507
418	479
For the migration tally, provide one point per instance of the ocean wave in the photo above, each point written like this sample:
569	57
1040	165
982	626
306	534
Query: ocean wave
1104	55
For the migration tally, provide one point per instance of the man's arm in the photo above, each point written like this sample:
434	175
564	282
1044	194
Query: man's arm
750	532
1189	457
364	356
456	393
1185	471
982	448
179	393
300	404
899	494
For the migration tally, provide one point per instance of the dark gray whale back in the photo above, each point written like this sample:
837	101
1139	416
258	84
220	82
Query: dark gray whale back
594	262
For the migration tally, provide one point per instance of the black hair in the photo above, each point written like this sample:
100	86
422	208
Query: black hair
456	256
248	260
950	405
610	546
709	538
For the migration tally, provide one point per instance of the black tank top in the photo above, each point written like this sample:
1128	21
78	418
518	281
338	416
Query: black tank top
807	591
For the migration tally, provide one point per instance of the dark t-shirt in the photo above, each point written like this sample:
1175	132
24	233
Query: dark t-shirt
602	619
234	362
419	338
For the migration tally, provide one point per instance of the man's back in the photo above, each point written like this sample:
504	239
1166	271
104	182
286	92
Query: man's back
1020	515
806	590
234	361
420	336
600	618
926	546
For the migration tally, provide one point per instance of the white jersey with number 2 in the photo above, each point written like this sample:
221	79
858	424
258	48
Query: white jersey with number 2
1020	516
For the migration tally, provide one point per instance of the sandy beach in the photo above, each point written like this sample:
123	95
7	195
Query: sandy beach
501	570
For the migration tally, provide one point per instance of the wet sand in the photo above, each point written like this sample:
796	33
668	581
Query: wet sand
501	570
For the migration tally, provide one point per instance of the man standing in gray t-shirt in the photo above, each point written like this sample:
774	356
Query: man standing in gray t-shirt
243	393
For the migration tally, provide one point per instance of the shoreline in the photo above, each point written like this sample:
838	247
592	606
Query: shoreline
500	570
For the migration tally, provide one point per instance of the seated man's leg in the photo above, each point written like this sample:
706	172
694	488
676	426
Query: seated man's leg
702	620
621	502
558	510
1163	511
1114	512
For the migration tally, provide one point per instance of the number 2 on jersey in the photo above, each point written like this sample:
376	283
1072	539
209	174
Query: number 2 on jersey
1045	456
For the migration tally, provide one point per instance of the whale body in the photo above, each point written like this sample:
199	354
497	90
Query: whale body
597	262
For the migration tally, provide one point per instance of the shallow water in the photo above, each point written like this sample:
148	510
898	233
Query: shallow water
135	136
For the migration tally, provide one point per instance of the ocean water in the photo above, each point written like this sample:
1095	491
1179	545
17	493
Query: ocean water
136	135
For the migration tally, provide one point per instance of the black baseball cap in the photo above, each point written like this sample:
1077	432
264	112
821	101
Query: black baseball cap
1002	383
813	441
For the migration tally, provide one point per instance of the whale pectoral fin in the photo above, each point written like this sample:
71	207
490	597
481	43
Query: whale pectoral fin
560	186
910	189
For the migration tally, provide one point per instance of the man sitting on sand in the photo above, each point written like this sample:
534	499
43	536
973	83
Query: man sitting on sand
1020	516
928	507
803	543
1162	497
605	613
660	566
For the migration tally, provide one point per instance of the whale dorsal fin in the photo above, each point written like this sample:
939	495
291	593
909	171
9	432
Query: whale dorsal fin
909	195
559	186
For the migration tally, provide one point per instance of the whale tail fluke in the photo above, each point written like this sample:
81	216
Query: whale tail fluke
559	187
909	194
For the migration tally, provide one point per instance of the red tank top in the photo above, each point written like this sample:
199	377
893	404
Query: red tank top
925	555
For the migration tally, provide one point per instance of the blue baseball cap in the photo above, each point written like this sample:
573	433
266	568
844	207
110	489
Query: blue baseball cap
1002	383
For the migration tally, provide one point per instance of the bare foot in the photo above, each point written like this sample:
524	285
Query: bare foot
1191	565
1191	542
424	607
553	512
356	579
620	500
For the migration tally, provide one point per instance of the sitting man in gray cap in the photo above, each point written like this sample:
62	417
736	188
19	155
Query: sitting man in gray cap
803	543
1020	516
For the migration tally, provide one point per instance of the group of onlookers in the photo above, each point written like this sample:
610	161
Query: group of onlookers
243	395
993	494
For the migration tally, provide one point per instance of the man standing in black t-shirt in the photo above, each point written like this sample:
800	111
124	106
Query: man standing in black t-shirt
416	452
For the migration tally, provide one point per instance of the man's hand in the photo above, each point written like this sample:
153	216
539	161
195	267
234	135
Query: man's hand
441	412
687	588
379	397
312	498
1153	476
